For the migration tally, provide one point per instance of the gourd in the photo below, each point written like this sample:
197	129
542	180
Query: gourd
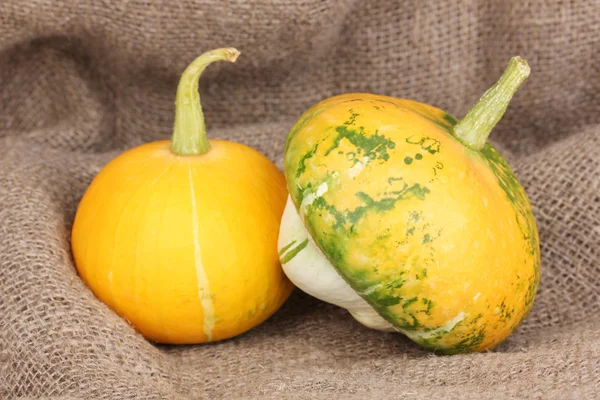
180	237
411	219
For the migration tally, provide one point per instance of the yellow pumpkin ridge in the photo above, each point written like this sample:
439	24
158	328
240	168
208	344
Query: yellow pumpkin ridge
203	286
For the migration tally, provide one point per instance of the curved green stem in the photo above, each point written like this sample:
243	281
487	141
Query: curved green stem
189	134
477	125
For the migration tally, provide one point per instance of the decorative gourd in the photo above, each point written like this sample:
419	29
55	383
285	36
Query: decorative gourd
410	219
180	238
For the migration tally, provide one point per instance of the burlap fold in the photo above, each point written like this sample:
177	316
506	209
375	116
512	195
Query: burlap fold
82	81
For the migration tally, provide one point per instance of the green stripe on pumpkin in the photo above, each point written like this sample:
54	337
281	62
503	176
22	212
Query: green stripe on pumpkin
294	252
286	247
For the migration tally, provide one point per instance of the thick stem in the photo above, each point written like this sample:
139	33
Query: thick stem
476	126
189	134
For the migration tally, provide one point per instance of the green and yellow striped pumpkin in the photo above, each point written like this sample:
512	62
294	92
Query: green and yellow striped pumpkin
410	219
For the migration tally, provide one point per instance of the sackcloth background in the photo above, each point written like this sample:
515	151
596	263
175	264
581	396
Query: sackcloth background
81	81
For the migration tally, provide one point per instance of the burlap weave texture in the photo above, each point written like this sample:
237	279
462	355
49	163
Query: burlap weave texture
81	81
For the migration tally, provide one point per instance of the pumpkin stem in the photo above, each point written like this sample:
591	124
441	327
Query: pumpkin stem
189	134
477	125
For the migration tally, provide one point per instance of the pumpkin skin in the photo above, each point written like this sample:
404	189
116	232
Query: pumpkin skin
428	237
179	237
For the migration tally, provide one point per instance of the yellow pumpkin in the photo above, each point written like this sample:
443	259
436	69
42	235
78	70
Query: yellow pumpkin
410	219
180	237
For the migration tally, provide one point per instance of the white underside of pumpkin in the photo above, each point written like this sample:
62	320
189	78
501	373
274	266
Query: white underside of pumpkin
312	273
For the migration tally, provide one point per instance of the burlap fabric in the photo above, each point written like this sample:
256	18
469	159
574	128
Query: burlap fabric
82	81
